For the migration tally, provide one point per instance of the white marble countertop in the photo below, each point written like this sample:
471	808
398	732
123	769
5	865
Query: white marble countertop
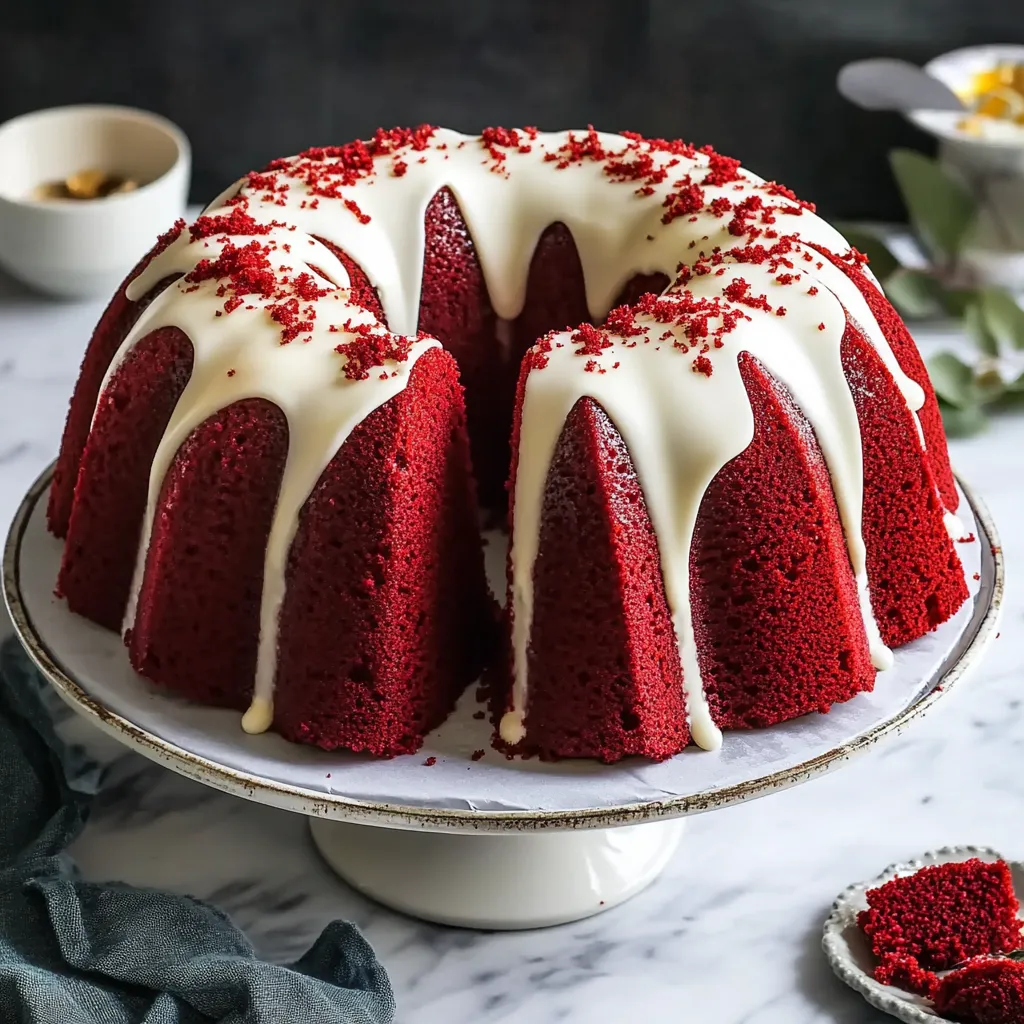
729	935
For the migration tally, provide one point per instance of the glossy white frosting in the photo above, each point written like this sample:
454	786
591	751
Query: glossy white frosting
507	202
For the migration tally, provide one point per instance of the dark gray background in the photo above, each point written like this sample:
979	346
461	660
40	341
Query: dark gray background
251	81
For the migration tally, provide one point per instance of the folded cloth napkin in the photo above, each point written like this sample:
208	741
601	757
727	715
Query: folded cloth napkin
77	952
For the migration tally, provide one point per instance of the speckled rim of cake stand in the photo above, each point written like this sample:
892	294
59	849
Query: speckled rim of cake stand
847	950
341	808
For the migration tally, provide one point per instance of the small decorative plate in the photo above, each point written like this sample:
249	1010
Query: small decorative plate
847	949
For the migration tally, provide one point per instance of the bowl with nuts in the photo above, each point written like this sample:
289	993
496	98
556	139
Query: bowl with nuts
84	190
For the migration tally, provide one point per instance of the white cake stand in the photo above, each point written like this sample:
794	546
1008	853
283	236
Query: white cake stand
458	833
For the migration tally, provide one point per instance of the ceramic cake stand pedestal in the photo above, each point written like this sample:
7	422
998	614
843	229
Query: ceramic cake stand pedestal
458	833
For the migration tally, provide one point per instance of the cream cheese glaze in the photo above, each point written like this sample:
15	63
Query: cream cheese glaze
508	195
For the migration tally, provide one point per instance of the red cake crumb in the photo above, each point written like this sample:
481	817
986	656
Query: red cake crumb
721	169
430	762
592	341
236	222
906	973
969	539
325	170
986	990
739	291
688	200
477	754
372	347
942	915
353	207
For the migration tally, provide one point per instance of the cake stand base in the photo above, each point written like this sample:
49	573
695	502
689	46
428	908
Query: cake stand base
503	881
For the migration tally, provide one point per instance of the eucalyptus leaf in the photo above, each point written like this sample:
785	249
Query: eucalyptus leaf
880	257
952	379
977	329
956	300
941	208
1008	401
915	293
962	422
1004	318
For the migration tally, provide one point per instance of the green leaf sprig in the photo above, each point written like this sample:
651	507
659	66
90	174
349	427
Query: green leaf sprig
942	213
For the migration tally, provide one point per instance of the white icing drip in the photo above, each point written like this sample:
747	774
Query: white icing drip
618	233
954	525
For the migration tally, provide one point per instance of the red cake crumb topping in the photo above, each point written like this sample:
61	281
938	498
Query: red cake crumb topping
169	236
702	365
577	148
430	762
688	200
353	207
477	754
721	169
372	348
494	140
237	222
853	256
248	270
905	972
942	915
622	321
592	341
325	170
739	291
986	990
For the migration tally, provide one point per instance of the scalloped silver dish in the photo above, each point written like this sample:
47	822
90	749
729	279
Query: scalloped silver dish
847	949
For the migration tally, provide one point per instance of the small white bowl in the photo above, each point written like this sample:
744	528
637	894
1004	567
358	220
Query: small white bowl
84	248
1002	149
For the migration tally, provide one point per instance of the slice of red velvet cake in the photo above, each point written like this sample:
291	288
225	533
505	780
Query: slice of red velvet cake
939	917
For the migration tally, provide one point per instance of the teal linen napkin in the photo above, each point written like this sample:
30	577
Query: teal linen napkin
77	952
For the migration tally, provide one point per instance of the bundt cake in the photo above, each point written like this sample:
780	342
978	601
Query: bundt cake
729	485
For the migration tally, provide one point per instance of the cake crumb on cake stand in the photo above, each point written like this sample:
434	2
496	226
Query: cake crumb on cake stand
483	842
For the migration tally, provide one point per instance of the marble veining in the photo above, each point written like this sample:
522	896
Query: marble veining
729	935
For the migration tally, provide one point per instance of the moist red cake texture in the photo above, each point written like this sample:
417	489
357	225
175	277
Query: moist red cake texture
939	917
386	616
985	990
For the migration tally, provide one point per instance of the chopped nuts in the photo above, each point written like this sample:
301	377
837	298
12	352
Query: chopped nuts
87	184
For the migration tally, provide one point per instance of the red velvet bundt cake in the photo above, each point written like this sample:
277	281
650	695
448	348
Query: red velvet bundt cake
728	473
